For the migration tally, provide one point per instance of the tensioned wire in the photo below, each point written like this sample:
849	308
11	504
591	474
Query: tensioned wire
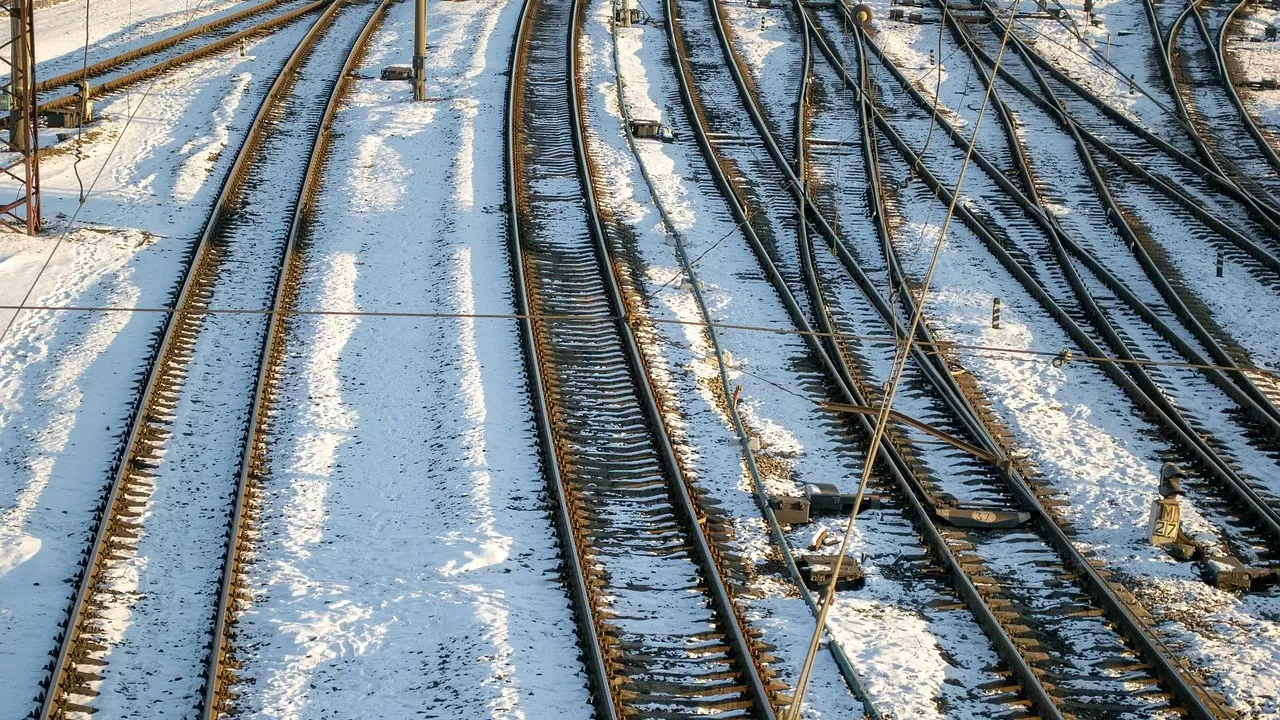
901	356
85	193
989	350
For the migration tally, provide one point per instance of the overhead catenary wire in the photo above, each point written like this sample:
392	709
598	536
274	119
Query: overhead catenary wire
901	357
936	347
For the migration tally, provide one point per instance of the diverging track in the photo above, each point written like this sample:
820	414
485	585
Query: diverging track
1037	646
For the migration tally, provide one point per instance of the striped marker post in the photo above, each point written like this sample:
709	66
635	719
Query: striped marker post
995	313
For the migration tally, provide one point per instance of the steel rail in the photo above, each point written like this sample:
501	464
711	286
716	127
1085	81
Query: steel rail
1212	152
1167	41
687	513
100	67
1237	384
1224	73
128	79
759	493
948	387
1233	380
574	558
1140	387
63	673
1265	214
1247	395
1262	255
1123	612
826	325
1028	678
708	557
218	675
894	463
1261	409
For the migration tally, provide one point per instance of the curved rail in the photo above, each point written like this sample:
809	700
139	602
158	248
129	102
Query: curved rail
619	453
1167	41
98	68
1140	387
1121	610
1235	381
575	559
899	468
1202	131
1249	397
1224	72
116	520
1265	214
219	674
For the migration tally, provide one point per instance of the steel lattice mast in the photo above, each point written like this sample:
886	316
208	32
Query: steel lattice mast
19	146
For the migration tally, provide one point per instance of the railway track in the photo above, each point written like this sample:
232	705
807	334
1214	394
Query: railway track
1265	143
160	581
1206	342
1247	229
1064	286
1129	310
1169	263
132	67
1223	132
1058	552
723	358
660	632
1253	394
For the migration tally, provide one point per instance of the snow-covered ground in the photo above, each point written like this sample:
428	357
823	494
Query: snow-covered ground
1253	61
68	379
1087	444
406	560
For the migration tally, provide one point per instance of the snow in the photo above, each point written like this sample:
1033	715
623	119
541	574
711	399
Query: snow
407	558
1252	59
69	377
941	650
406	561
1093	448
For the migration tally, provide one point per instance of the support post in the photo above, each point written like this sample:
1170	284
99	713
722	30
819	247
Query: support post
19	159
420	50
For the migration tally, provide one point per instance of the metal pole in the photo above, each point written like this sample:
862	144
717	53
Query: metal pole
19	78
21	162
420	51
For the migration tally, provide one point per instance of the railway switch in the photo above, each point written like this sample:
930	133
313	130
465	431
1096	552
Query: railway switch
818	498
1228	573
978	516
652	130
397	72
790	510
827	498
817	571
